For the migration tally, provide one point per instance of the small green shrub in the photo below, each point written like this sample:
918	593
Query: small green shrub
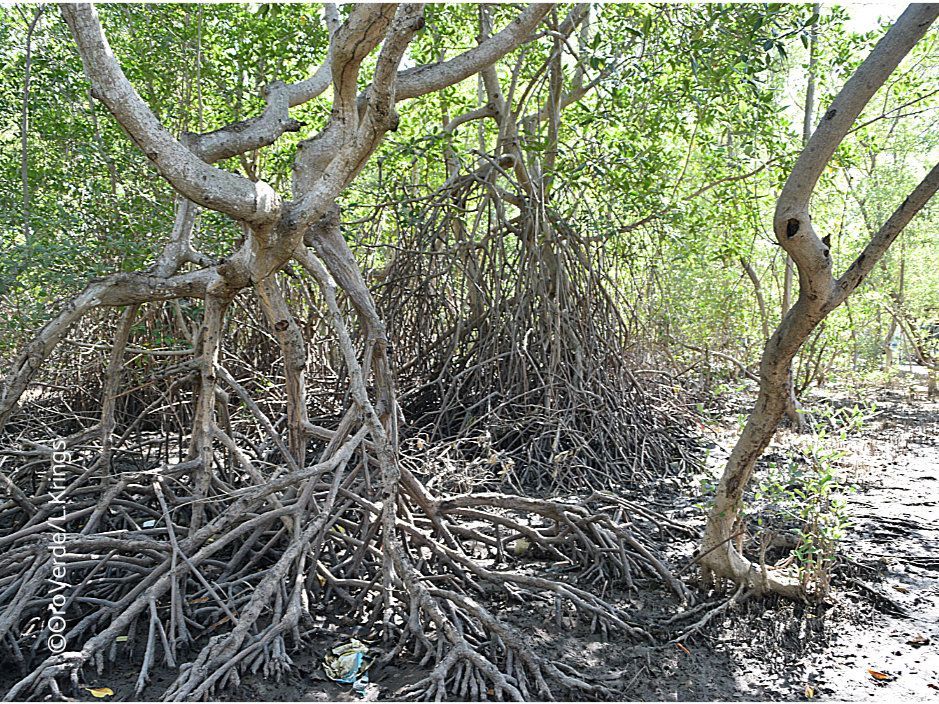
802	500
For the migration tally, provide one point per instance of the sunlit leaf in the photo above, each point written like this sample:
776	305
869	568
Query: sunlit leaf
100	692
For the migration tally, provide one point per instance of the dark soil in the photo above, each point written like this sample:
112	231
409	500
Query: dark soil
886	595
772	650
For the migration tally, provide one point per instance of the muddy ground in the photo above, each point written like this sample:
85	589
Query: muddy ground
772	650
885	598
885	601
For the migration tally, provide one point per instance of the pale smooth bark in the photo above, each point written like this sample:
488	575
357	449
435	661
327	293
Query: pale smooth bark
808	121
819	293
293	349
234	195
112	383
203	425
114	290
411	83
325	164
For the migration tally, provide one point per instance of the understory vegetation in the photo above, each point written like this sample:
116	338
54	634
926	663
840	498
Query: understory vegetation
376	320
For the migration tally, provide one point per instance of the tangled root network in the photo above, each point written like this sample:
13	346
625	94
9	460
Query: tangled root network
224	558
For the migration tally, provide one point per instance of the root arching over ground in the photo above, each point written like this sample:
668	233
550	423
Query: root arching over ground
512	341
220	555
195	513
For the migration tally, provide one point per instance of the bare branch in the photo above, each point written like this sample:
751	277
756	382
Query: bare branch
115	290
791	223
348	47
268	127
844	110
433	77
880	242
255	203
408	20
264	129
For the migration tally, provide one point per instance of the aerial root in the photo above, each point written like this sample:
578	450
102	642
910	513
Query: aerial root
281	551
246	588
486	660
709	614
44	677
197	538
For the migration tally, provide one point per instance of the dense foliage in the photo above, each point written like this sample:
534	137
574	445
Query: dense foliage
322	360
671	159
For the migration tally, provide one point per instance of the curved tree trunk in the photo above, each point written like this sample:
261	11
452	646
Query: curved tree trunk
819	294
808	119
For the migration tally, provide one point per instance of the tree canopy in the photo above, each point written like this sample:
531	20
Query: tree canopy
324	298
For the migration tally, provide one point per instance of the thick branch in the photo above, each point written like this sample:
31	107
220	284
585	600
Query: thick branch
115	290
791	222
880	242
266	128
853	98
433	77
348	47
408	20
255	203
